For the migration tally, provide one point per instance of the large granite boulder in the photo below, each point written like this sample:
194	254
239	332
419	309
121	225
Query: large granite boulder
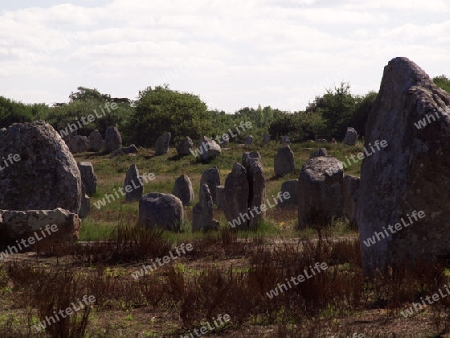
43	226
284	161
88	177
320	194
211	178
161	210
257	186
46	175
290	187
410	175
236	193
162	144
209	149
351	137
202	213
133	186
185	146
96	142
113	139
183	190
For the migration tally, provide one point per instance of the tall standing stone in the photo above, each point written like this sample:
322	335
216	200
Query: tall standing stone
202	213
351	137
209	149
350	191
183	190
257	186
133	184
46	175
88	177
284	161
411	173
211	178
113	140
248	140
290	187
162	144
185	146
96	142
236	194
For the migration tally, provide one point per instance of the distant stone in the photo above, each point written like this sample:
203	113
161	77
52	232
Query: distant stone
257	186
202	213
351	137
161	210
133	185
248	157
132	149
96	142
284	161
319	152
285	139
45	175
185	146
211	177
88	177
210	148
236	194
290	187
78	144
321	140
351	186
320	193
162	144
266	138
113	140
249	140
183	190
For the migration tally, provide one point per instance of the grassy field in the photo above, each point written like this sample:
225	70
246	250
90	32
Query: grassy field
224	273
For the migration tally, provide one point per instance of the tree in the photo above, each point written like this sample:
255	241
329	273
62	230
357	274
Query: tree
443	82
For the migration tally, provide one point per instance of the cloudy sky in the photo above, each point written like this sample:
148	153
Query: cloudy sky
232	53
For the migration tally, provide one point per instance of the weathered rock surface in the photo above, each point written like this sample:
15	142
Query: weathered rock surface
284	161
78	144
185	146
183	190
85	207
210	148
411	174
236	194
133	186
202	213
96	142
113	139
257	185
88	178
350	191
46	176
319	152
320	195
161	210
162	144
219	196
292	188
351	137
211	178
18	225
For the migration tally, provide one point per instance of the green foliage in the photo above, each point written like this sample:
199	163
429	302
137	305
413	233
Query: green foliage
362	109
300	126
87	94
443	82
16	112
161	110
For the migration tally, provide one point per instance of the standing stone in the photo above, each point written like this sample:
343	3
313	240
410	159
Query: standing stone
133	184
161	210
266	138
219	196
210	148
290	187
284	161
162	144
45	178
257	186
185	147
351	137
85	207
202	213
351	186
320	195
285	140
211	178
249	139
319	152
88	177
113	140
183	190
78	144
409	174
96	142
236	194
225	143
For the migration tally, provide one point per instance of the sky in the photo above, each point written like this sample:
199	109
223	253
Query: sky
231	53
